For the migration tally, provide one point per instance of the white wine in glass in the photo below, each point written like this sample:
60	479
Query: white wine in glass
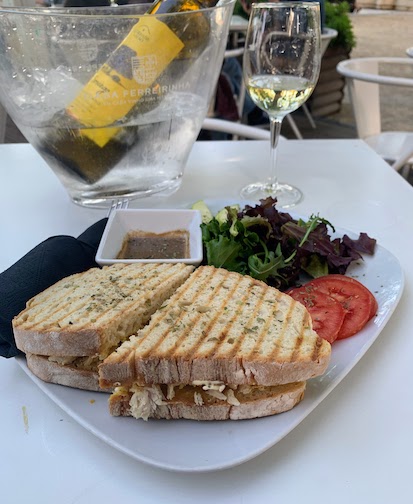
281	67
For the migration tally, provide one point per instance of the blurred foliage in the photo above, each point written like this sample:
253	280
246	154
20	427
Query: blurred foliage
242	7
337	17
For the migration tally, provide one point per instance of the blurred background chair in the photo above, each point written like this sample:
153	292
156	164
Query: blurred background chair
363	79
3	120
232	108
237	130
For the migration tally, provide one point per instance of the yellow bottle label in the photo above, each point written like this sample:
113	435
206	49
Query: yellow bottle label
125	78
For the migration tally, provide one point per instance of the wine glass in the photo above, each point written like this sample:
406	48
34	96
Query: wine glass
281	66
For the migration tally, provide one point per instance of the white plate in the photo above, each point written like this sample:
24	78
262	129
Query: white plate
190	446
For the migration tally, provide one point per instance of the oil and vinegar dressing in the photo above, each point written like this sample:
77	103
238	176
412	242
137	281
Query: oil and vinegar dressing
146	245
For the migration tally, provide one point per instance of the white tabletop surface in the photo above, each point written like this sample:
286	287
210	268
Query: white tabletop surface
355	447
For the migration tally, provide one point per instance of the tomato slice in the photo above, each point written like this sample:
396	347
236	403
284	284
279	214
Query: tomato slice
358	302
326	313
344	278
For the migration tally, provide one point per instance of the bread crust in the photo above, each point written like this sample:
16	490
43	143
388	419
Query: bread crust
237	372
84	342
67	375
255	405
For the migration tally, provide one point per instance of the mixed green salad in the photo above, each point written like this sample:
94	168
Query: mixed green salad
272	246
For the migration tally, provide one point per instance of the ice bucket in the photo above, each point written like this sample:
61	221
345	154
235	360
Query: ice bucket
112	98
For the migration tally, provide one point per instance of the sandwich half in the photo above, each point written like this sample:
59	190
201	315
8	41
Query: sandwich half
68	329
223	346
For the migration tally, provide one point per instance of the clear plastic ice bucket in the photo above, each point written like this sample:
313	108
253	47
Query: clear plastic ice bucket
112	98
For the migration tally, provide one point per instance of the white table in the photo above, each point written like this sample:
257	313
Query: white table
356	446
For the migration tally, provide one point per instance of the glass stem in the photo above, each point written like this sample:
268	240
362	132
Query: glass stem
275	128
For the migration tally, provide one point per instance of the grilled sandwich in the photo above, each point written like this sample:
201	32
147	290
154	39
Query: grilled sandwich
72	326
223	346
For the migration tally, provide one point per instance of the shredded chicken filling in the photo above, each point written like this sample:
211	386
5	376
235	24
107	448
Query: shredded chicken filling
89	363
146	400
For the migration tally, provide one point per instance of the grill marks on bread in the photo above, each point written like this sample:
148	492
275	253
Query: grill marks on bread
169	321
220	314
92	312
91	298
227	327
197	321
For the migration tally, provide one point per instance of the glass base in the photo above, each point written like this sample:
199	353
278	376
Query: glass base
287	195
105	198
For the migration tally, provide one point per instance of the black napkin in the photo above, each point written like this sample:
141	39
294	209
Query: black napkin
50	261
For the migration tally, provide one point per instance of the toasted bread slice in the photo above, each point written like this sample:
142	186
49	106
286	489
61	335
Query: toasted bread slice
193	403
222	326
70	375
90	313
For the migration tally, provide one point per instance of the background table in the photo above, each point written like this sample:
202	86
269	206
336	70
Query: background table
355	447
